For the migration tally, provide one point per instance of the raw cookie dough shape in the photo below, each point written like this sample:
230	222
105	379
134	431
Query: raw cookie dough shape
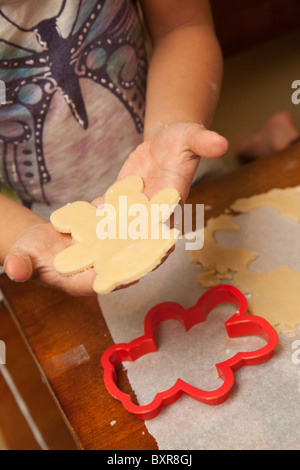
117	261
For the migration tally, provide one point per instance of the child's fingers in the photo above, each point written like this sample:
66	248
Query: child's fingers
18	266
99	201
205	143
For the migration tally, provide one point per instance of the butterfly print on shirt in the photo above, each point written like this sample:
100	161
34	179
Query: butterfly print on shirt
102	33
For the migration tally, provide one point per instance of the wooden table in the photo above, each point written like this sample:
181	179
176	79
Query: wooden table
67	336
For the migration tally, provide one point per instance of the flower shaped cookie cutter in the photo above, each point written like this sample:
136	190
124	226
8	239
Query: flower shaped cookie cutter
240	324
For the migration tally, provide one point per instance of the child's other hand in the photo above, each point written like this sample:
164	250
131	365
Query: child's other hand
33	254
171	157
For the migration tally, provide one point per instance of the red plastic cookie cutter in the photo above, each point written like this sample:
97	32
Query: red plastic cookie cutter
239	324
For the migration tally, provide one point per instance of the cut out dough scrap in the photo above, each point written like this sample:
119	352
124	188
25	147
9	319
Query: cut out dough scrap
117	261
220	262
286	201
274	294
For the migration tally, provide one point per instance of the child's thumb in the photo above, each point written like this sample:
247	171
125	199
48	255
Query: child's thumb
206	143
18	265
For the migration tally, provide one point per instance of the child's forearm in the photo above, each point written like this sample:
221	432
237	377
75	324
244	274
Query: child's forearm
184	78
15	219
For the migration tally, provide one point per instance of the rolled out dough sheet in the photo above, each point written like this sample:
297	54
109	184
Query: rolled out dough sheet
274	292
286	201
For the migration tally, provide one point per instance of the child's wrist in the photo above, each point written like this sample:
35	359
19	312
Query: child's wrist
154	128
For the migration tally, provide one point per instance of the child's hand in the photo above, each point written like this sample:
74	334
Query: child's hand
171	157
33	254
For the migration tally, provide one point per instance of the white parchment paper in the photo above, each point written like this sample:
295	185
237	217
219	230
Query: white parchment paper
263	409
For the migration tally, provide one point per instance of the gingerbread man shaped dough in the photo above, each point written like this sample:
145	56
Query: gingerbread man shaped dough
112	239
